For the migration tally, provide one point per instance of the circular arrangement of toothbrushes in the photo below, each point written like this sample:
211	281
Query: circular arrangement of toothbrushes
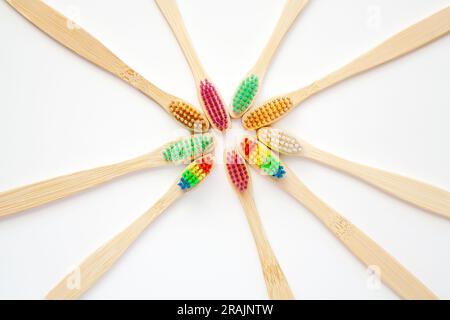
263	152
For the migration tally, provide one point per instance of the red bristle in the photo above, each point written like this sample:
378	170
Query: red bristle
237	171
214	105
248	146
205	163
206	167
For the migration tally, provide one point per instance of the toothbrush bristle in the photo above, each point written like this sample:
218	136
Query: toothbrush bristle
267	113
189	148
214	105
237	170
196	172
245	94
262	157
188	116
279	140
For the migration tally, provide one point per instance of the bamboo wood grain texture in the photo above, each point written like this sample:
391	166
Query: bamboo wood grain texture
365	249
276	283
291	10
90	271
408	40
81	42
420	194
43	192
171	13
40	193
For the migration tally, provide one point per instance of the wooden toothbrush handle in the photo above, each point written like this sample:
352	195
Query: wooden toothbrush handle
172	14
133	78
40	193
276	283
84	44
371	254
420	194
290	12
91	269
400	44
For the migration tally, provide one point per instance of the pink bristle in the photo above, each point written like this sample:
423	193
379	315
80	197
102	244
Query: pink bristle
214	105
237	170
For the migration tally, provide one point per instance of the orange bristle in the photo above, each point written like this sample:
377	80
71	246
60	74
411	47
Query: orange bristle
267	113
188	116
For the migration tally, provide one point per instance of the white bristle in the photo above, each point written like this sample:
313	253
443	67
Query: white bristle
279	140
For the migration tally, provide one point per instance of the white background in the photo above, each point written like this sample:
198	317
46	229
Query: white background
60	114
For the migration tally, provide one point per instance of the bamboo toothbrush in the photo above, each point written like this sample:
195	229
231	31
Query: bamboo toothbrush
248	89
91	269
364	248
37	194
420	194
239	177
209	97
81	42
402	43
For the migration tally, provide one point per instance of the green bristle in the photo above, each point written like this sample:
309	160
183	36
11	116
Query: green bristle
187	148
271	165
191	178
245	94
186	175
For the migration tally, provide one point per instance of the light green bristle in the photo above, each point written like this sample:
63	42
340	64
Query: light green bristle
166	155
188	148
271	165
245	94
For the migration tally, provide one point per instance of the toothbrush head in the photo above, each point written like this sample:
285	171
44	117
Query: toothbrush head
261	157
196	172
214	106
267	113
237	170
279	140
188	116
188	149
243	98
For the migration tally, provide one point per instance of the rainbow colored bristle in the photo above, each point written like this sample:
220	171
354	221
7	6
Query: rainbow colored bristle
245	94
237	170
189	148
267	113
196	172
188	115
214	105
259	155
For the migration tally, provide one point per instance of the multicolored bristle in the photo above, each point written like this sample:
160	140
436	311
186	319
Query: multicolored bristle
279	140
237	170
267	113
188	116
188	148
214	105
196	172
245	94
257	154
